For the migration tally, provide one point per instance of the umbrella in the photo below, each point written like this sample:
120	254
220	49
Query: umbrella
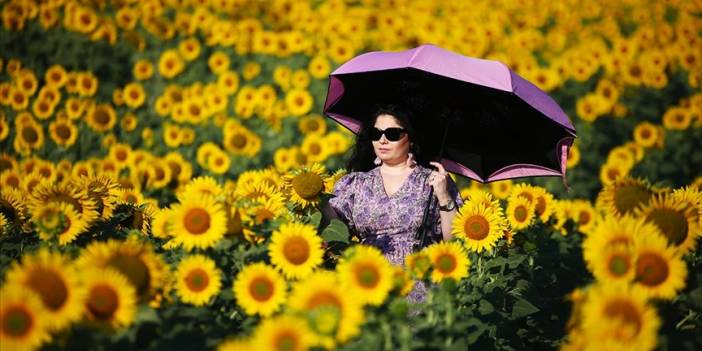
479	118
498	125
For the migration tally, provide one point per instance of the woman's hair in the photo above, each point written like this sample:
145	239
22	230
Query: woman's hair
363	154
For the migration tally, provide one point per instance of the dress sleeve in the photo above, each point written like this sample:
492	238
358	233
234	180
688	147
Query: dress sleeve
344	193
436	214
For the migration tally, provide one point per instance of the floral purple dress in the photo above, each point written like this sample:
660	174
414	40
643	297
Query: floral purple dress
389	222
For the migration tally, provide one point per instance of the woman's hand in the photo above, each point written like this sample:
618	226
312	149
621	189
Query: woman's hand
438	180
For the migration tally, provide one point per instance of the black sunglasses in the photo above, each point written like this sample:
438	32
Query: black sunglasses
392	134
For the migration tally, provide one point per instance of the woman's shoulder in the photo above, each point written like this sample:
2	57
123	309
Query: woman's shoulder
351	178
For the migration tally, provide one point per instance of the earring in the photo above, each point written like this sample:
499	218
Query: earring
410	159
377	161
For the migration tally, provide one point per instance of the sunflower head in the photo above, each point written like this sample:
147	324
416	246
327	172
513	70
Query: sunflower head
449	260
363	269
304	186
624	196
479	227
296	249
23	323
259	289
674	219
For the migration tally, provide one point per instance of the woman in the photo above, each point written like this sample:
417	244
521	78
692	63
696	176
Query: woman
382	199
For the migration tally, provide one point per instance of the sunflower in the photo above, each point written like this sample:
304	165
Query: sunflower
584	215
305	185
283	333
448	260
219	162
143	69
520	212
170	64
75	107
101	117
479	195
55	76
58	220
143	268
134	95
677	118
198	222
501	189
251	70
298	101
55	280
418	264
675	220
691	198
29	136
110	299
319	67
313	147
63	132
66	192
478	226
612	231
646	134
618	317
228	82
365	272
190	48
660	270
624	196
203	185
87	84
614	264
263	210
295	249
23	319
218	62
332	313
42	109
197	279
260	289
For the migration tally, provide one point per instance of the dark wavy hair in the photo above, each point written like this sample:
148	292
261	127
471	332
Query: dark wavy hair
363	155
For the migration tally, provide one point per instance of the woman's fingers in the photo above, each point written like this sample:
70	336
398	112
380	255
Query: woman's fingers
441	168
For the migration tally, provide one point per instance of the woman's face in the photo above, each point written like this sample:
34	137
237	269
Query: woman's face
390	152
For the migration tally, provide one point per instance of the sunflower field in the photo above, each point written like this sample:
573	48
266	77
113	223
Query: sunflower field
163	164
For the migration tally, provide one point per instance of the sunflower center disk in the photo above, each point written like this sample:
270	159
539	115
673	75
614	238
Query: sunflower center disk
17	322
197	280
520	213
619	265
50	287
651	269
308	185
287	341
134	269
672	223
626	313
446	264
197	221
296	250
368	276
261	289
103	302
628	197
476	227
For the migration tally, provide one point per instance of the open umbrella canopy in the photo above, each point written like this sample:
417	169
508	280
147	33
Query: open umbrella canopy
498	124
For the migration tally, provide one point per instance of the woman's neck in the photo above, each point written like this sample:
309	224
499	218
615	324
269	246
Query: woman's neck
395	168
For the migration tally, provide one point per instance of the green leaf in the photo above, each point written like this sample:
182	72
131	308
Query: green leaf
147	314
696	297
315	219
336	231
523	308
485	307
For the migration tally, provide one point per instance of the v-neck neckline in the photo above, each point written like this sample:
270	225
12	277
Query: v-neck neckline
402	186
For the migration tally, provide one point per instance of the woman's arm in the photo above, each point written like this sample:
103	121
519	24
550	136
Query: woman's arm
447	219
